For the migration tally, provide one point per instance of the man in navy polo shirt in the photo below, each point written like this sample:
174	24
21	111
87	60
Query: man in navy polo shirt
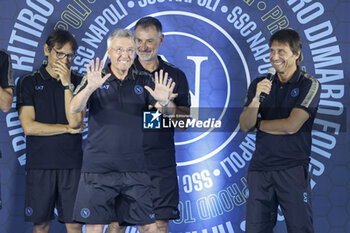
53	142
278	172
6	81
159	145
114	183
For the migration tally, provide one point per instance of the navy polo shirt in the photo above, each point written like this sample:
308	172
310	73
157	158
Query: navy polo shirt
275	152
6	78
114	141
159	145
46	95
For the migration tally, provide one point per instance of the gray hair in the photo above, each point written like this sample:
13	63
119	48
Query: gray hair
120	33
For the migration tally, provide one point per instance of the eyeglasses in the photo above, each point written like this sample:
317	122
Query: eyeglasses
61	55
129	51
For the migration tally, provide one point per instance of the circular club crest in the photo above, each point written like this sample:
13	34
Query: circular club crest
294	92
138	89
85	213
29	211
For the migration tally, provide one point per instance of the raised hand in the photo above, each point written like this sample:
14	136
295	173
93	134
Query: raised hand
263	86
94	74
163	90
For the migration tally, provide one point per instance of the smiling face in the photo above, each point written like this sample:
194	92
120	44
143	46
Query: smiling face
148	42
122	54
283	60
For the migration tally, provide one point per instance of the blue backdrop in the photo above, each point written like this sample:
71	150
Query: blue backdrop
221	45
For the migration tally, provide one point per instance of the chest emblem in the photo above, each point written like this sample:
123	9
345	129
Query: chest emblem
294	92
138	89
104	86
39	87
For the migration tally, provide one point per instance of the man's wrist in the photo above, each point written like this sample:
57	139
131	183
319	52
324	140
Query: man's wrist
69	87
164	103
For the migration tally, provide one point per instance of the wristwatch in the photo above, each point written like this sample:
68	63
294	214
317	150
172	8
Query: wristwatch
165	104
69	87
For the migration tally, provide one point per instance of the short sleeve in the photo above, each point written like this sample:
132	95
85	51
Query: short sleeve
25	92
80	84
6	78
309	96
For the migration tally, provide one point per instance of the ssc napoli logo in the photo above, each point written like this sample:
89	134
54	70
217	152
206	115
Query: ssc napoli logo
138	89
294	92
29	211
85	212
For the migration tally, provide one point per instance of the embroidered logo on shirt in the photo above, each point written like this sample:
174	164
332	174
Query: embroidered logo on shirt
85	212
305	197
294	92
39	88
29	211
105	86
138	89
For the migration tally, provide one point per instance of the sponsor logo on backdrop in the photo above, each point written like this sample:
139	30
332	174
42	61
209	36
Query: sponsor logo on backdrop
221	46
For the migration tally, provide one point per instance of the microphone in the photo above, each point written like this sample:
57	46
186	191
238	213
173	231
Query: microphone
270	73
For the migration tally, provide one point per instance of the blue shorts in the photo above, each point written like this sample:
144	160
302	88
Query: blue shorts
105	197
46	189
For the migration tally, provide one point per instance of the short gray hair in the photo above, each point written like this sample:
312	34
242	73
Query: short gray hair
120	33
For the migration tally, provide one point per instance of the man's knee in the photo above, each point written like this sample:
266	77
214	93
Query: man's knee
94	228
74	227
115	228
149	228
162	225
41	227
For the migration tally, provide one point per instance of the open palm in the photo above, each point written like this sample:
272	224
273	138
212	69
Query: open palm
164	87
94	74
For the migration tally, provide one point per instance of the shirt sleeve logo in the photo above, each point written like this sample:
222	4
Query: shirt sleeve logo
294	92
138	89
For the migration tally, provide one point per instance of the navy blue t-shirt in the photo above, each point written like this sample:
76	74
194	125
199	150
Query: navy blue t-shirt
275	152
159	145
46	95
114	141
6	78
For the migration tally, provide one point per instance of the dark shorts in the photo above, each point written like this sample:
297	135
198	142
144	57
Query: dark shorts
289	188
165	193
103	197
46	189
